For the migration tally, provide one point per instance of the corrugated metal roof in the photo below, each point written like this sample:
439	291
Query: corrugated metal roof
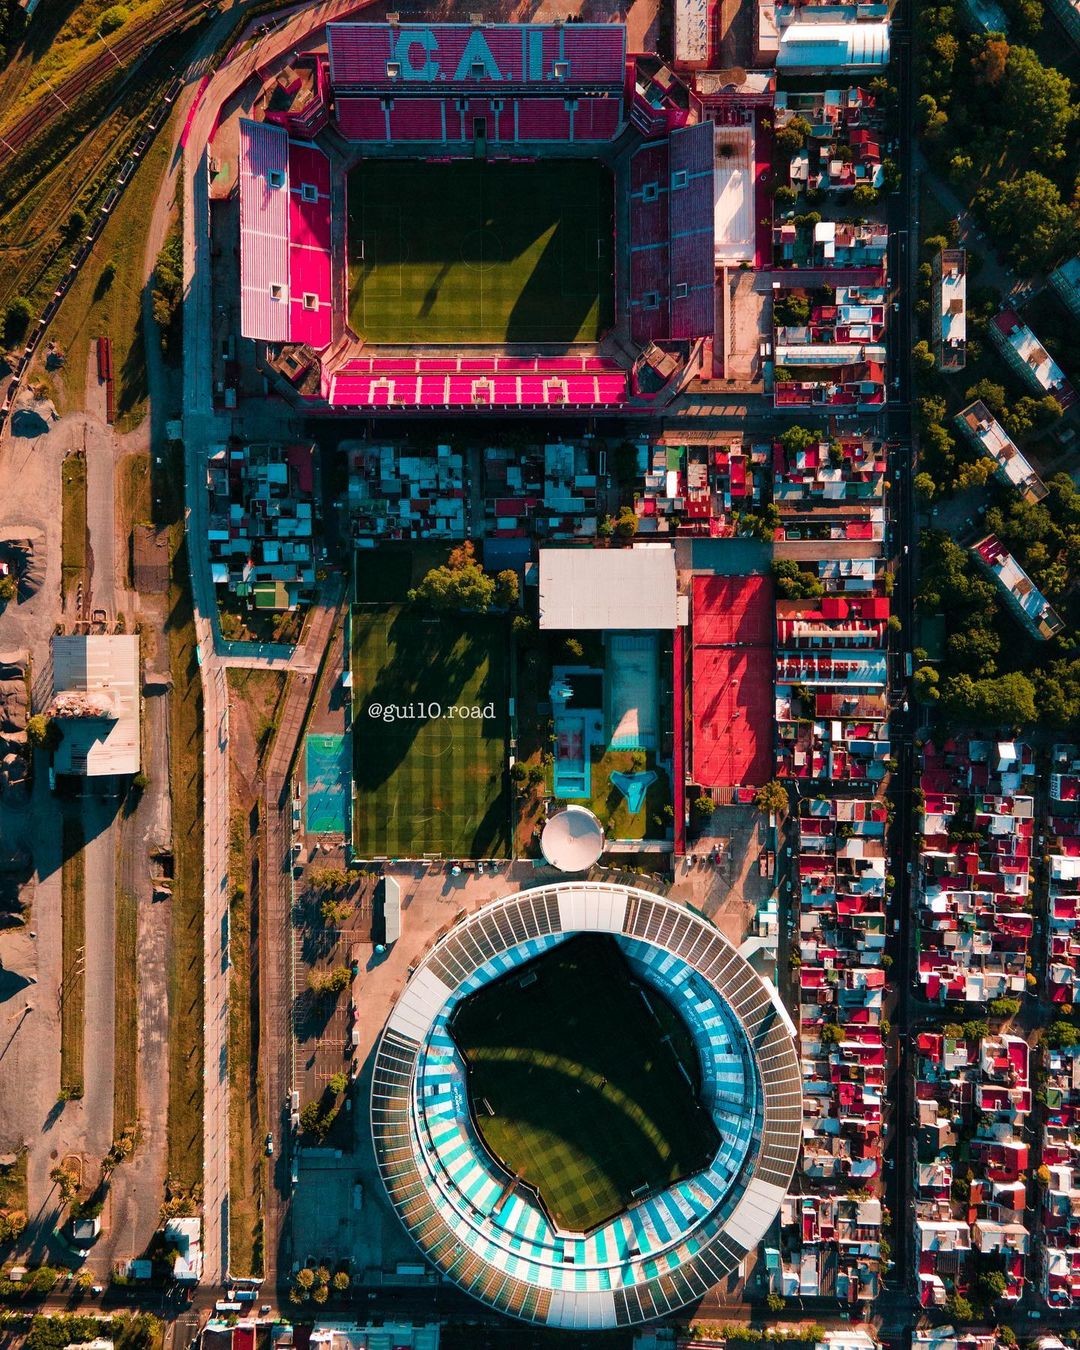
264	231
594	589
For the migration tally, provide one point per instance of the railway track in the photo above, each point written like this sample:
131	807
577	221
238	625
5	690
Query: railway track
132	47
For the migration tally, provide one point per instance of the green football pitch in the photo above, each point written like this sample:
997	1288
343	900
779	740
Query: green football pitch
425	783
479	252
587	1100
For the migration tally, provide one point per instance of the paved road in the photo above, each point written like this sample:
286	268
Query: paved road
203	426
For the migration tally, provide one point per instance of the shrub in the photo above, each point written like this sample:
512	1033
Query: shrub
114	17
16	321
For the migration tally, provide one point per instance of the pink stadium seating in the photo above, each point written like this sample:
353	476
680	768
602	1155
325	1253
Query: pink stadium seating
597	119
310	244
542	119
361	119
417	119
469	382
362	55
671	237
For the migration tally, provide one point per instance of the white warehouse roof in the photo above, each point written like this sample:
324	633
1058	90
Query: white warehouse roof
605	588
96	704
833	46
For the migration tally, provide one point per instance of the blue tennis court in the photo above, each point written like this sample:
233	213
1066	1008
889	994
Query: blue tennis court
328	770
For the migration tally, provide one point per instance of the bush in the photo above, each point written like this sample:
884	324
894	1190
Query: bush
115	17
775	1302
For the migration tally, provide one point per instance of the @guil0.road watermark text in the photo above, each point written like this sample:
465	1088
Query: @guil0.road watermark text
430	712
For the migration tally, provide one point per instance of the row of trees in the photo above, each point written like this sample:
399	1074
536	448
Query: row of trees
462	584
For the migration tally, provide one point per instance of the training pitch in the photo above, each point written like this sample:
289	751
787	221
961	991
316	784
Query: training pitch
428	783
588	1103
472	252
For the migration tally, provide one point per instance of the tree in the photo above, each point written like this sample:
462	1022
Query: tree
573	649
340	1280
771	798
1029	217
993	1283
67	1182
1008	700
925	487
791	310
327	880
1038	104
338	1083
703	809
9	589
993	395
775	1302
790	139
16	322
305	1277
335	912
864	195
461	584
923	357
988	64
1060	1034
1004	1007
506	588
798	438
831	1034
627	524
115	17
925	684
959	1309
332	982
1042	1176
320	1293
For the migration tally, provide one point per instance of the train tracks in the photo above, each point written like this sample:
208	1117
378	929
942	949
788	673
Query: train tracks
129	50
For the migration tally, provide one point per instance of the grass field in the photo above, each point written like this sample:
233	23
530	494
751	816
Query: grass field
73	536
126	1002
479	252
429	784
589	1103
73	942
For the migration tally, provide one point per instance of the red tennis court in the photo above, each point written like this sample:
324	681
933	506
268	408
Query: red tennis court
732	681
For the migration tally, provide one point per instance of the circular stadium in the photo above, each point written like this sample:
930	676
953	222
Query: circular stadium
586	1105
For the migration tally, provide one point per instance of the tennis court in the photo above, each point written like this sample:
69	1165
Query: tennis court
425	778
593	1092
328	776
732	681
480	252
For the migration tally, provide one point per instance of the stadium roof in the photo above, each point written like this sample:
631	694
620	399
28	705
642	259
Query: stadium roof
96	704
833	46
607	588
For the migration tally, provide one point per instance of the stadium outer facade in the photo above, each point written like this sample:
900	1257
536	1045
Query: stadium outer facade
439	92
490	1235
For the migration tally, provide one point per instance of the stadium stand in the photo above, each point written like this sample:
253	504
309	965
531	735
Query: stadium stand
555	83
672	266
286	290
471	382
264	232
458	55
490	1234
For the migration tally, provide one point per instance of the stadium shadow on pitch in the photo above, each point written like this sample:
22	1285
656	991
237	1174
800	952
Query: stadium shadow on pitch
547	280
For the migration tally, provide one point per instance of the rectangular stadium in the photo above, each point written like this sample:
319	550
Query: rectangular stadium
501	221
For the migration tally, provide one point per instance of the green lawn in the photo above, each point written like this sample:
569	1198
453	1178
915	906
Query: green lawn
589	1104
479	252
429	784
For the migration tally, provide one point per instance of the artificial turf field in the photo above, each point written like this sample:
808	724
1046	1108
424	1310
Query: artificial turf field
589	1104
429	784
480	252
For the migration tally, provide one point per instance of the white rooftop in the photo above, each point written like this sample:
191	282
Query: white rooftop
608	588
833	46
96	704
